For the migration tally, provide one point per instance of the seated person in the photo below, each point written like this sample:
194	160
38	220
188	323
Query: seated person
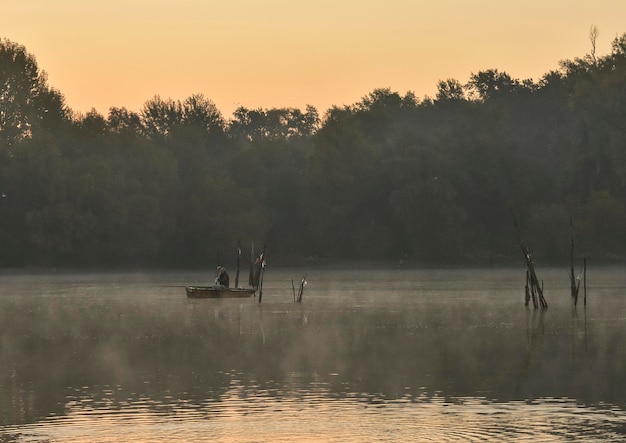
222	278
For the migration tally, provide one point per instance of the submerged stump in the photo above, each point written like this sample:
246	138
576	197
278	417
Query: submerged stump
536	290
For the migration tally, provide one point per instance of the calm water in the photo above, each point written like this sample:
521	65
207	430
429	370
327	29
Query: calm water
383	355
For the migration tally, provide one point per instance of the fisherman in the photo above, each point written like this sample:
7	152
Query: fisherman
222	278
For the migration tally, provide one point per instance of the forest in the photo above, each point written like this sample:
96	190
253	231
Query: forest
433	180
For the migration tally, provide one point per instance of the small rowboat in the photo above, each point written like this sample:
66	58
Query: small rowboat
217	292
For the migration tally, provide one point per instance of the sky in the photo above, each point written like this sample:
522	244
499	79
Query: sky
280	53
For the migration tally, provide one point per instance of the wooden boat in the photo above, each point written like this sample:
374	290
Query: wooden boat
218	292
223	291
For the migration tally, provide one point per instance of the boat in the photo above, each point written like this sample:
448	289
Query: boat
221	289
218	292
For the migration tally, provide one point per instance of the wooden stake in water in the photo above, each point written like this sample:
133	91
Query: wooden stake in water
585	281
573	285
238	264
527	290
301	290
534	281
262	272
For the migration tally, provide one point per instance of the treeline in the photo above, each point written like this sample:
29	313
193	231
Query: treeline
392	176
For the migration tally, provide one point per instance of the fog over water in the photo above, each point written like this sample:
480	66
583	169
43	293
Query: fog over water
369	355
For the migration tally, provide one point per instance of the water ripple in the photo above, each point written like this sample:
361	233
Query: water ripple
241	416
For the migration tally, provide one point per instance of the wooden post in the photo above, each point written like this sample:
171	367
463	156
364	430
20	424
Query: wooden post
238	264
585	281
251	274
262	271
533	290
534	281
527	289
573	286
301	291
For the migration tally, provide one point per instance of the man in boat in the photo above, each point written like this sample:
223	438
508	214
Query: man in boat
222	278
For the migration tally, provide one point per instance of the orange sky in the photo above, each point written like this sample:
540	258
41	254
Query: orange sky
280	53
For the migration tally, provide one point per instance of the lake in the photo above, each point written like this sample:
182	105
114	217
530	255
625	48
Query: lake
433	355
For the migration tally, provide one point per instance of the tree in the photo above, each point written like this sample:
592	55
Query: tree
270	149
593	37
430	219
490	84
28	103
123	121
201	113
618	47
384	116
339	178
388	175
92	124
276	124
598	101
602	225
450	90
159	117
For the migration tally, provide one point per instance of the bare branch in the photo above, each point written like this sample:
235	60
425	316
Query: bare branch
593	37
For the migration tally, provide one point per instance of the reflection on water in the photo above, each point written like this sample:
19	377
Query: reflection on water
317	415
394	355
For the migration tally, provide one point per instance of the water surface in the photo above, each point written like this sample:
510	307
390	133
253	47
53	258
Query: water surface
369	355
